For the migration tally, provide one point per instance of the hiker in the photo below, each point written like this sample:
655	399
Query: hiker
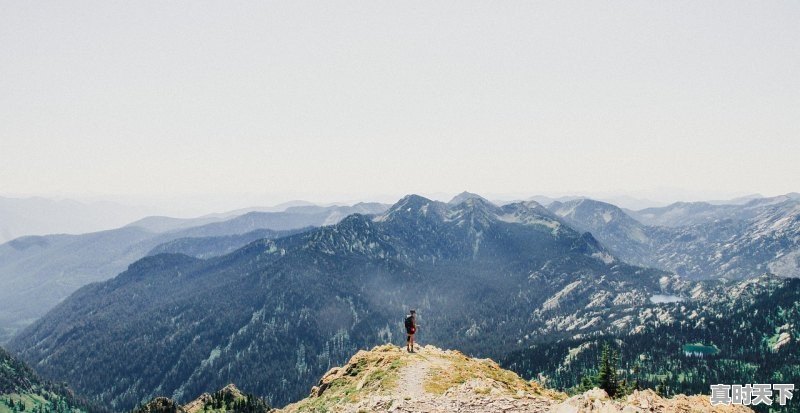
411	328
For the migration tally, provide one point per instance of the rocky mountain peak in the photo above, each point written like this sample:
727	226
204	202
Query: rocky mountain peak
531	213
160	405
229	399
413	207
585	209
465	196
231	389
410	201
476	212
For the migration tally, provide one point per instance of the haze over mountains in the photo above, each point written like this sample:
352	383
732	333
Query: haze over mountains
201	303
41	216
211	302
631	221
22	216
698	240
36	272
302	303
702	240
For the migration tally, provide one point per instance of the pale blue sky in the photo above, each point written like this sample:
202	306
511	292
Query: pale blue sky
337	100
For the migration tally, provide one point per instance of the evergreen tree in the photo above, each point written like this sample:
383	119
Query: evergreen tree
607	374
661	389
588	382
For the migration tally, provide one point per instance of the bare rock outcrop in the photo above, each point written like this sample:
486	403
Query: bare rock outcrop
432	380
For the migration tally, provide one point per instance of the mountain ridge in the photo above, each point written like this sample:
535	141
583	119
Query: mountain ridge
37	272
739	242
327	292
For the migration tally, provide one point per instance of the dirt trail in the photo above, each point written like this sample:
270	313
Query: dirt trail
412	378
472	386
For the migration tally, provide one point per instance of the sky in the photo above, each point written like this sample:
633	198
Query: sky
239	102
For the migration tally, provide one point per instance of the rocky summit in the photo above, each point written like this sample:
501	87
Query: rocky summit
389	379
227	400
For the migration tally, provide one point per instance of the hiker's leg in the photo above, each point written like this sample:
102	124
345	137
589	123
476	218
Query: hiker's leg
412	342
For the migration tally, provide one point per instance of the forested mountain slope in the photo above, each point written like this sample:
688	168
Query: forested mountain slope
39	271
304	303
744	332
22	390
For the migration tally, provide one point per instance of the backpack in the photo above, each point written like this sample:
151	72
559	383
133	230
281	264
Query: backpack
409	323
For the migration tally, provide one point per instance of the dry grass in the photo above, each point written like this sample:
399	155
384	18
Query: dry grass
367	372
377	372
463	369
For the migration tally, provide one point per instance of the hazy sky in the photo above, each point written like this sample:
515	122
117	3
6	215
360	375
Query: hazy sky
332	99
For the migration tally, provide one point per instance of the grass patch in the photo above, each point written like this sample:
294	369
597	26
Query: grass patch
372	372
463	369
377	372
30	400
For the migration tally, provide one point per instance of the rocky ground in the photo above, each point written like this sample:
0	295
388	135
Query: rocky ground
388	379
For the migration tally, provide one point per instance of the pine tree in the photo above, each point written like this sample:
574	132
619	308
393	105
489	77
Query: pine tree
607	374
661	389
588	382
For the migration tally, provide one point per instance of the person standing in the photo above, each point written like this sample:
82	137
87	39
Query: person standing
411	329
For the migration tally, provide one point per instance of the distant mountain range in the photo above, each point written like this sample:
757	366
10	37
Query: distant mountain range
36	272
41	216
203	303
681	214
702	240
302	303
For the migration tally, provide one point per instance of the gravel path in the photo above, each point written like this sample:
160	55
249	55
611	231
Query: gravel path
412	378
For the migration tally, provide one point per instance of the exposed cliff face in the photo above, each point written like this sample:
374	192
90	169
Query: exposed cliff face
388	379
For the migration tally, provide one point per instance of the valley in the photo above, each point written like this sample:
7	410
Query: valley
206	306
